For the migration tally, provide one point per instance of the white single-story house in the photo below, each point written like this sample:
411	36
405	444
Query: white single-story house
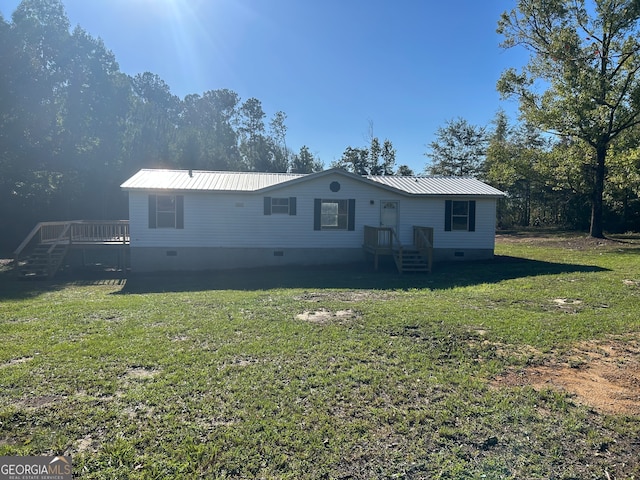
199	220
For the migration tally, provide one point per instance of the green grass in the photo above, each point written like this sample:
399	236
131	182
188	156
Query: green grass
216	376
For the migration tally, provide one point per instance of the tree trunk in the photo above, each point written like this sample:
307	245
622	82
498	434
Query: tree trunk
597	227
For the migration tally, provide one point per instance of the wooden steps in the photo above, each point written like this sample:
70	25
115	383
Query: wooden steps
384	241
410	259
42	252
43	262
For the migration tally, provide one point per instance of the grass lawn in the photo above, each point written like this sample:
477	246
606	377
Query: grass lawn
336	374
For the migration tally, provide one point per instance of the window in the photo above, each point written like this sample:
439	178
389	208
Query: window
460	215
166	211
279	206
334	214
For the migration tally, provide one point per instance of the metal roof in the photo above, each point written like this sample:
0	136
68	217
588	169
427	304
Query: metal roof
437	185
156	179
200	180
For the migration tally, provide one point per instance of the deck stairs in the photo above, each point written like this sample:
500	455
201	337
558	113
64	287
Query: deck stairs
43	262
411	259
384	241
43	251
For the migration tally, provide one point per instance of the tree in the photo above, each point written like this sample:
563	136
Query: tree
279	152
514	157
371	160
152	122
459	149
305	162
404	171
207	138
253	147
581	80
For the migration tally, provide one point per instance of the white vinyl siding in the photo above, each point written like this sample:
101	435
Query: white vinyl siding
214	219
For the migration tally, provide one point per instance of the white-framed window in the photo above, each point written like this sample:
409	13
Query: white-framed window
460	215
279	205
166	211
334	214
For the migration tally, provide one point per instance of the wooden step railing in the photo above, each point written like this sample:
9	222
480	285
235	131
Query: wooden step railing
385	241
75	232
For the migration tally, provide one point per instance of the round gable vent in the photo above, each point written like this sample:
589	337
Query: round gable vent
334	186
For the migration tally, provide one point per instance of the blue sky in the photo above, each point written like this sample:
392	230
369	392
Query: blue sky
335	67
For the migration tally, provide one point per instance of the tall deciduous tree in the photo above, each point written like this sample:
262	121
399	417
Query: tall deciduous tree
514	156
459	149
582	79
152	122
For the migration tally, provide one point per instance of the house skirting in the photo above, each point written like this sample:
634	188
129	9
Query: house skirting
156	259
150	259
455	254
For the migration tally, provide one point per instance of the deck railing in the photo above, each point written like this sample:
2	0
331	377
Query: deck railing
87	231
77	231
423	241
385	241
381	238
423	237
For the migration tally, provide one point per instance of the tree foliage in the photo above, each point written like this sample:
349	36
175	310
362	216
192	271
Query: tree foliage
581	81
459	149
374	159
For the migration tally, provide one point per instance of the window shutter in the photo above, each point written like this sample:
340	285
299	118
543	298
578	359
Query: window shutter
448	206
317	209
472	216
292	206
351	221
152	211
267	205
179	211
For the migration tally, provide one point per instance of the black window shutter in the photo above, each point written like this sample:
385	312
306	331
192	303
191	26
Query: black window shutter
472	216
351	221
448	205
179	211
317	210
267	205
152	211
292	206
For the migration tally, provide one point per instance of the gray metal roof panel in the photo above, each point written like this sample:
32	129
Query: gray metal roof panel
438	185
200	180
156	179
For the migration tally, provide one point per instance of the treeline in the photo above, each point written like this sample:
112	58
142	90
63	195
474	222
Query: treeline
549	180
73	126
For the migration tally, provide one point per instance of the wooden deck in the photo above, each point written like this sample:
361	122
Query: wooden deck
43	251
384	241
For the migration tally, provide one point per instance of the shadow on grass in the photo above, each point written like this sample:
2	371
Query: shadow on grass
359	277
356	276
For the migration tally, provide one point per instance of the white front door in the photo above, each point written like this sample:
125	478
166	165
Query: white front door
389	214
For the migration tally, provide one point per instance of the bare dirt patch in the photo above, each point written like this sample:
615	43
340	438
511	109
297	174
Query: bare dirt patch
568	240
605	375
323	316
16	361
140	373
349	296
39	401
